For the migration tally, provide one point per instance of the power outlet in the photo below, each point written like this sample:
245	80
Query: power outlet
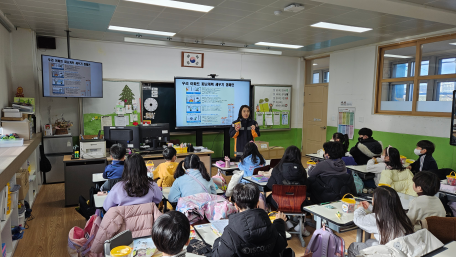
333	118
361	119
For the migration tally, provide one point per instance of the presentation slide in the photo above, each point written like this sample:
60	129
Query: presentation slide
64	77
209	102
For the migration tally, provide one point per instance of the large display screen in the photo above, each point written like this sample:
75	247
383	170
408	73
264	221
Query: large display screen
63	77
208	102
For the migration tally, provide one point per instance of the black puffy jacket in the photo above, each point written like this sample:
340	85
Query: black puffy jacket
329	188
251	233
365	149
289	173
244	135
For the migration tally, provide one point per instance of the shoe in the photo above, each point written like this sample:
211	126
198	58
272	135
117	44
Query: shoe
289	225
304	231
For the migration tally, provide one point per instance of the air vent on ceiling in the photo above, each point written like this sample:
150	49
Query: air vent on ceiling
294	8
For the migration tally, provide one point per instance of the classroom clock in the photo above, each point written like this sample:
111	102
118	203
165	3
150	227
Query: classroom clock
150	104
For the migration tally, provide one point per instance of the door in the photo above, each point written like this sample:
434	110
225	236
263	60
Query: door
314	122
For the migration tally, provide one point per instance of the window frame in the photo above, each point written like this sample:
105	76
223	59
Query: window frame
416	78
320	76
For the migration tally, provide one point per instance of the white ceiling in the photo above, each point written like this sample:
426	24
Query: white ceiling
234	22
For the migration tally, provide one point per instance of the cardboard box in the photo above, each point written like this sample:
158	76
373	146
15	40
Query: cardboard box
276	152
262	145
264	153
22	179
22	128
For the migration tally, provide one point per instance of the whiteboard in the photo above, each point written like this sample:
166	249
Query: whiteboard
272	106
113	91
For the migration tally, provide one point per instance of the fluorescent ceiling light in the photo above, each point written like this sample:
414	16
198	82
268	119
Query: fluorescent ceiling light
142	31
278	45
145	41
397	56
326	25
315	64
453	44
259	51
176	4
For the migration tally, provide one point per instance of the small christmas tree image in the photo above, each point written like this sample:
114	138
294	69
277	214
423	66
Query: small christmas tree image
127	95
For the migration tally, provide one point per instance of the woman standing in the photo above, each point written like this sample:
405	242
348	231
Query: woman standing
243	130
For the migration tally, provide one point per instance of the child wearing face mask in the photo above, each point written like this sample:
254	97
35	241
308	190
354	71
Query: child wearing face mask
424	149
377	165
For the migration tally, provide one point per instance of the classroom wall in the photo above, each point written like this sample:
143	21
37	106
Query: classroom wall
6	91
353	74
154	63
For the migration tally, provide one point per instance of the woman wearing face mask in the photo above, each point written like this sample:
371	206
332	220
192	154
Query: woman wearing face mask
243	130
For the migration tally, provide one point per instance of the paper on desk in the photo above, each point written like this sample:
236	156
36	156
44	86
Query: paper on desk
219	225
106	121
277	118
268	119
120	121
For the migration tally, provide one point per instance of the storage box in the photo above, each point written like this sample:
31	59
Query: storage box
22	128
276	152
262	144
264	153
22	179
11	142
14	116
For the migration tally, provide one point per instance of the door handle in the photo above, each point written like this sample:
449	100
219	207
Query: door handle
324	127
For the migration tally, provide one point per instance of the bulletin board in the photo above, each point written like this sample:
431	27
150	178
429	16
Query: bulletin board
346	121
272	106
164	101
120	106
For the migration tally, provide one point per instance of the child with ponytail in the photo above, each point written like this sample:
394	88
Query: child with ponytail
343	139
191	178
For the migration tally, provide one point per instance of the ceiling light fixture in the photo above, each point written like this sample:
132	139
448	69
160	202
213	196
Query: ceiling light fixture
327	25
278	45
315	64
176	4
142	31
397	56
259	51
453	44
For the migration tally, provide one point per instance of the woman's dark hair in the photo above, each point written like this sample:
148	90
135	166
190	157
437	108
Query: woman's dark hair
343	139
392	222
394	159
192	161
169	153
252	149
170	232
246	196
428	145
292	154
240	112
137	183
335	150
428	181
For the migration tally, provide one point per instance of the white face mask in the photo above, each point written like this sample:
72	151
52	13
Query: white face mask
417	152
331	140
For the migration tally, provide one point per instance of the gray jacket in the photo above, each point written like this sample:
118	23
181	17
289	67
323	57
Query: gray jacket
328	167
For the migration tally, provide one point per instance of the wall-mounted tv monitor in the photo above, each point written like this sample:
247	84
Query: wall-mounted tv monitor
63	77
209	103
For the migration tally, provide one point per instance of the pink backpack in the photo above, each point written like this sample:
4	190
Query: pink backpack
218	208
214	207
220	181
80	240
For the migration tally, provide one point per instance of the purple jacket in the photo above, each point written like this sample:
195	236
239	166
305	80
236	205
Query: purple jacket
118	197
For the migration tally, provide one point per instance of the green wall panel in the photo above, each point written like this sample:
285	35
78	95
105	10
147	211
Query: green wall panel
444	154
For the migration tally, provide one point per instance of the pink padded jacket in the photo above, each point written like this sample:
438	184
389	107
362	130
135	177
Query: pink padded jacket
136	218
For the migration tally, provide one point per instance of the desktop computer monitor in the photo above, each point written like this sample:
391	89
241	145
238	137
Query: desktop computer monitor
153	136
126	136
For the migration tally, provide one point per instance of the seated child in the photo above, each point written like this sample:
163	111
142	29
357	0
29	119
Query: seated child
170	233
333	164
424	149
377	165
251	229
386	219
114	170
191	178
426	184
395	175
251	159
165	171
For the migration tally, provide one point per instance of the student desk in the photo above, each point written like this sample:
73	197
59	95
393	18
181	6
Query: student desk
98	177
451	196
362	170
79	172
261	184
227	171
447	250
315	157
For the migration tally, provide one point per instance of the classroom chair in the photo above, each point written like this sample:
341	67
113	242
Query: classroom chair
265	168
442	173
274	162
123	238
290	199
442	228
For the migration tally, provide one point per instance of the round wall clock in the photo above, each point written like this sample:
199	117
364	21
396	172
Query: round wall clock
150	104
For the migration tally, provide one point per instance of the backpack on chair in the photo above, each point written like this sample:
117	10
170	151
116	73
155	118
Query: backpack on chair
325	243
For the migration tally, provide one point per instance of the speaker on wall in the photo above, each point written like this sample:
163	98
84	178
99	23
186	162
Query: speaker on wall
45	42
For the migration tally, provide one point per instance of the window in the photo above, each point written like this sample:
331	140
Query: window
436	80
320	70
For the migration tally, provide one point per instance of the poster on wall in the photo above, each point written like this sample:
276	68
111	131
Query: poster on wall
346	121
272	106
119	97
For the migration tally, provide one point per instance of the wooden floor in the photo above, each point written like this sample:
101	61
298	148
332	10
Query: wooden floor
47	235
